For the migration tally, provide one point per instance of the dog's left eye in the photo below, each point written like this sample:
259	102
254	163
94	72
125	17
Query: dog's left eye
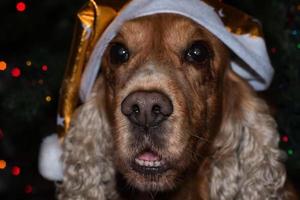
197	53
119	54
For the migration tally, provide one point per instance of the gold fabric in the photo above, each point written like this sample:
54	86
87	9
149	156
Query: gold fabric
93	18
236	21
91	22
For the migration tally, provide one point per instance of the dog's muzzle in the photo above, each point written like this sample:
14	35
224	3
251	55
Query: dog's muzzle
147	110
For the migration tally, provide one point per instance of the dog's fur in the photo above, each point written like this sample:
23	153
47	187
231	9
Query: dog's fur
219	143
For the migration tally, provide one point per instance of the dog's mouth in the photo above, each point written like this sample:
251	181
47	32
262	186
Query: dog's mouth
149	162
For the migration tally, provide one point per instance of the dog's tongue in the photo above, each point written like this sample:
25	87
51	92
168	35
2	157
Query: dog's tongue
148	156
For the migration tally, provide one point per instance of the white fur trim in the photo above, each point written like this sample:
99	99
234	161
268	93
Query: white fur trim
50	165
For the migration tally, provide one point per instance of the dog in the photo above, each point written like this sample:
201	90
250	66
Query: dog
175	120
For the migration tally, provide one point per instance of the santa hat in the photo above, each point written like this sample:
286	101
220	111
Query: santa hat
99	24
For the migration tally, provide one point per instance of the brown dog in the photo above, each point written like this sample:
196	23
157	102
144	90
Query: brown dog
183	124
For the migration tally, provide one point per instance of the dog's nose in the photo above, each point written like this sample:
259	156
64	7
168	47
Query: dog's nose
146	108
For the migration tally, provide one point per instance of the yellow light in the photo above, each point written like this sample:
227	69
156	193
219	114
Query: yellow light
3	65
41	81
2	164
48	98
28	63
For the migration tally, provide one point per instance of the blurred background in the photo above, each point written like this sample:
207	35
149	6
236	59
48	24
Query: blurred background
35	38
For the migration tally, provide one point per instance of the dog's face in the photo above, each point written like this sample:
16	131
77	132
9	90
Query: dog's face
163	79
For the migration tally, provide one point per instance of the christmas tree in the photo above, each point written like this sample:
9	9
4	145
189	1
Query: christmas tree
281	24
35	38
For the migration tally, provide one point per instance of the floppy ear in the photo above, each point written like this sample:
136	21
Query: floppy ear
248	162
87	150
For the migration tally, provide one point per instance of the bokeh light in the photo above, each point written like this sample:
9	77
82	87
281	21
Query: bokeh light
44	68
1	134
41	81
48	98
2	164
274	50
3	66
28	189
285	138
290	152
21	6
28	63
16	171
16	72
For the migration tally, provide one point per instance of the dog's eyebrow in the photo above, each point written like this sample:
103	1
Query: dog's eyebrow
118	38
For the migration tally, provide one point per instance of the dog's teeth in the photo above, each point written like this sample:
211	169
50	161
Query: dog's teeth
148	163
157	163
140	162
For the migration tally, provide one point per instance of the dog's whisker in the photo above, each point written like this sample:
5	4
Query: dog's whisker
152	195
200	138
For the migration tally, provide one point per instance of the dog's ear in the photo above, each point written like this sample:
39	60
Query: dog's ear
87	150
248	162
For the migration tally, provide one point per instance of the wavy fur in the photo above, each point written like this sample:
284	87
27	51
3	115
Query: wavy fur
88	168
248	162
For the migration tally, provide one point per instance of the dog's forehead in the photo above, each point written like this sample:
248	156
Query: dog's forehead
172	29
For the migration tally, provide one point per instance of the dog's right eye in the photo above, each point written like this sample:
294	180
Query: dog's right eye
119	54
197	53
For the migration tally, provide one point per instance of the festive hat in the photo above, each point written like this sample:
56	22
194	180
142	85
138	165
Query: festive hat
99	24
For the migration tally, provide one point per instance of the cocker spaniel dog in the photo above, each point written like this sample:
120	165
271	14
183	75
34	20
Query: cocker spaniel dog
175	120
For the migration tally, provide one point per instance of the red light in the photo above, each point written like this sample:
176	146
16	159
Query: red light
16	72
16	171
21	6
28	189
1	134
273	50
44	68
285	138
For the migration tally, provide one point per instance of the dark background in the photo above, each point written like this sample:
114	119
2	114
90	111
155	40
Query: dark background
42	35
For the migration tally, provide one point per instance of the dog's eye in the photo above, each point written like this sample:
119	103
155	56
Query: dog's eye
197	53
118	53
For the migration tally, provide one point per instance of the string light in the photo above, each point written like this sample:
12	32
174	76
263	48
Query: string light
16	171
45	68
285	138
295	32
21	6
41	81
1	134
28	63
3	66
290	152
28	189
16	72
273	50
48	98
2	164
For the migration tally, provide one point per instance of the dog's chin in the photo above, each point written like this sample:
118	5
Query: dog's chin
151	179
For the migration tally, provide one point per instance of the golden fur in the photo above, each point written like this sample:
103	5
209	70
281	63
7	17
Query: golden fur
220	142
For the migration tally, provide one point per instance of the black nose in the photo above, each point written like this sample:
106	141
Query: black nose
147	109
